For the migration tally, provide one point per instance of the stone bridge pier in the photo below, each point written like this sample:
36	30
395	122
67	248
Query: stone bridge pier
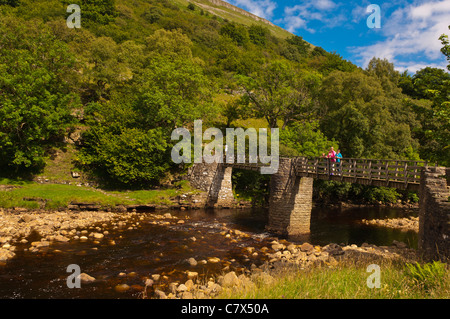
290	201
215	180
434	213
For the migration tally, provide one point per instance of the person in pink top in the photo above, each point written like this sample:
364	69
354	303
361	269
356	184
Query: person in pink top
332	158
332	154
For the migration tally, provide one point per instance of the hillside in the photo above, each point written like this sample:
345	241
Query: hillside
138	69
232	13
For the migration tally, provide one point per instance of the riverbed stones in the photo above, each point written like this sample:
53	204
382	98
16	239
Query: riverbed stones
191	274
306	247
192	262
158	294
182	288
404	224
6	254
155	277
98	235
85	278
213	260
122	288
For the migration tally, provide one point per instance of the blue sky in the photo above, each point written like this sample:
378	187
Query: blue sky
408	37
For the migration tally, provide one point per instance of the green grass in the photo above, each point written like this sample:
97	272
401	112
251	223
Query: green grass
345	282
54	196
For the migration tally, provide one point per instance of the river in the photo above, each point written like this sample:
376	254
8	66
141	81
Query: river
162	249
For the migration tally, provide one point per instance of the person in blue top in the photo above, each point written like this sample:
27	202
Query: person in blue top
338	160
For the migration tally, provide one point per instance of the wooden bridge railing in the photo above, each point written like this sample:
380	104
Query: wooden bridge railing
378	172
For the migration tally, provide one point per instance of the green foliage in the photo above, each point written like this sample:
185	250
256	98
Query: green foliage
251	185
431	88
237	33
429	275
446	47
365	119
100	12
191	6
12	3
306	139
35	94
153	15
277	92
131	157
413	197
381	194
258	34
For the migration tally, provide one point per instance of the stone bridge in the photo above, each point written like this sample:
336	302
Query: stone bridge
291	189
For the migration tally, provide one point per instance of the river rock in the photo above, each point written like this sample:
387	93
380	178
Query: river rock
192	262
85	278
189	284
122	288
182	288
333	249
98	235
399	244
192	274
229	280
156	277
213	260
306	247
6	254
61	238
277	247
159	294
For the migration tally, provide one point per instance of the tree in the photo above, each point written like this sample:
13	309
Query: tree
128	142
238	33
386	73
191	6
36	100
364	119
96	11
12	3
446	47
258	34
277	92
306	138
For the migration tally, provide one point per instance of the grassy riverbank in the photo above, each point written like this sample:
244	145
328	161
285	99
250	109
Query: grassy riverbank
34	195
348	280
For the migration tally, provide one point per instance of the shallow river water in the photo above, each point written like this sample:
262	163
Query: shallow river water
163	249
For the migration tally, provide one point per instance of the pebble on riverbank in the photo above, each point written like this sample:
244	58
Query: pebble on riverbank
404	224
48	227
282	256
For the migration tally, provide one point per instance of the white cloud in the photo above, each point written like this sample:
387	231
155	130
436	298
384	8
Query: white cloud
298	16
261	8
411	30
